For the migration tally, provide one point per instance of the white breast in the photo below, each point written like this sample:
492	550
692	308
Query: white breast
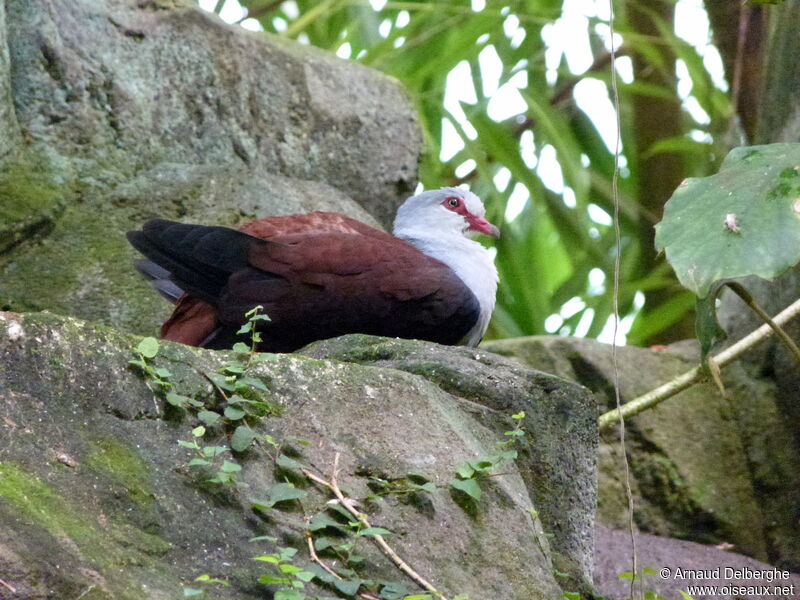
473	264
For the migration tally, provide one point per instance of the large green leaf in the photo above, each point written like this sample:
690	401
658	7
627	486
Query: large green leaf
745	220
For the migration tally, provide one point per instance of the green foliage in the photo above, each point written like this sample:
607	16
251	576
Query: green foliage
205	579
242	403
745	220
146	351
469	475
556	252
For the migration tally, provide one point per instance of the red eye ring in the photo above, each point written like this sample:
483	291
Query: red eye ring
453	202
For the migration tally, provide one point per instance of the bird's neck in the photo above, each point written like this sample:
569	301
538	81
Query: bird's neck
473	264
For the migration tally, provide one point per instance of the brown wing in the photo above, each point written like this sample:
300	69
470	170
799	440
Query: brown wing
324	285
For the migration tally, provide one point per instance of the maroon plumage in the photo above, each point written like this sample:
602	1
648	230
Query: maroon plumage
318	276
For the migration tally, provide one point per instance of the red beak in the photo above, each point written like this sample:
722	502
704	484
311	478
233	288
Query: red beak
483	226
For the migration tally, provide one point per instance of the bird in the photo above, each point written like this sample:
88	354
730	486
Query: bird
322	274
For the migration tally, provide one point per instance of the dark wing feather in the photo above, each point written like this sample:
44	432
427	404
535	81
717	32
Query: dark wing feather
200	259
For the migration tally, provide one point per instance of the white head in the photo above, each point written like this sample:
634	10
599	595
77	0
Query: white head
438	223
443	211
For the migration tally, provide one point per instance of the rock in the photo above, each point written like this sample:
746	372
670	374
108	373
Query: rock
558	466
771	358
688	565
97	498
9	132
139	109
704	468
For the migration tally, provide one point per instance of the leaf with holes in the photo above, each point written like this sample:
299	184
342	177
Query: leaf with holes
745	220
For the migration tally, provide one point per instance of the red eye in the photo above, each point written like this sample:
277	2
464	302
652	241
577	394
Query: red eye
452	203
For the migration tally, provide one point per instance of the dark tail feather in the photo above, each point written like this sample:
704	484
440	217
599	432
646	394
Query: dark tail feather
159	279
196	258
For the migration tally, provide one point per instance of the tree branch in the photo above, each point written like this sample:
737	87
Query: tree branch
686	380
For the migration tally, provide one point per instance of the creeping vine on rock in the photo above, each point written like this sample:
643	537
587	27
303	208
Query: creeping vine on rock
332	534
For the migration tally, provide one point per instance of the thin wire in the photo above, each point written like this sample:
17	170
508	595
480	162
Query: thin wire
618	246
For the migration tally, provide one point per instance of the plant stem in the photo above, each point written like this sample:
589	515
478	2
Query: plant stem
686	380
333	486
315	557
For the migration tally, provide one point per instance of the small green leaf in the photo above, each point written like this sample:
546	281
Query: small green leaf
254	311
268	558
209	417
192	445
290	569
288	553
242	437
148	348
189	592
372	531
221	381
519	416
230	467
282	492
233	368
321	521
468	486
251	382
289	595
626	575
199	462
348	587
391	590
241	348
177	399
199	431
234	413
290	464
465	471
273	580
213	451
208	579
163	373
323	543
